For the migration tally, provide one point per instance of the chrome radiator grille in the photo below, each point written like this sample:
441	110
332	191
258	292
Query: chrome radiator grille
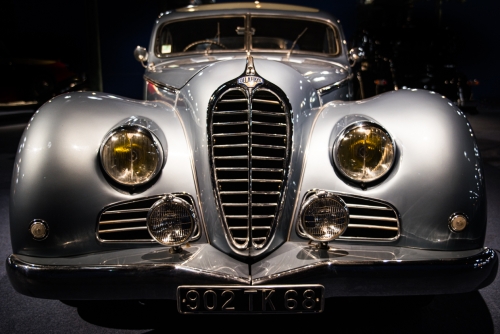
126	221
369	220
250	149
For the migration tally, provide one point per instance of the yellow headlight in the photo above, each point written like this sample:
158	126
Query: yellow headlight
131	155
364	152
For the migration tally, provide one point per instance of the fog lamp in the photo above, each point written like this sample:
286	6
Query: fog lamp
324	217
171	221
364	152
458	222
39	229
131	155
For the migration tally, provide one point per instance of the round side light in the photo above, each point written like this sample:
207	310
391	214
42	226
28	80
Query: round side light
458	222
324	217
39	229
171	221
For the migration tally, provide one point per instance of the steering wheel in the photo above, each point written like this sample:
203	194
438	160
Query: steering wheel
205	41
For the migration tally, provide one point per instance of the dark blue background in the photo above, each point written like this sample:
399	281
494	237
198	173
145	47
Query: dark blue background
58	29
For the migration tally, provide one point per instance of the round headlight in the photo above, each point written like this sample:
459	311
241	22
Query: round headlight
364	152
131	155
324	217
171	221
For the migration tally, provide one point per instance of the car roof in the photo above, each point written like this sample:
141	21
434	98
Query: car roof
244	8
248	5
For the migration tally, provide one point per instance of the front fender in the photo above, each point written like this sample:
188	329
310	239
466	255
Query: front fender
437	172
58	177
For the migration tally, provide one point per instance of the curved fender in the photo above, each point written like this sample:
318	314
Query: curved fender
58	177
437	172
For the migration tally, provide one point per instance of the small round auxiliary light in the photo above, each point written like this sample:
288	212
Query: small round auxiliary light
324	217
458	222
171	221
39	229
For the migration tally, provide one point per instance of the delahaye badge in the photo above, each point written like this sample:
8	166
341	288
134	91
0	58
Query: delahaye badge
250	80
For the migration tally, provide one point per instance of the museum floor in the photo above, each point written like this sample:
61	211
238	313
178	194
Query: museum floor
475	312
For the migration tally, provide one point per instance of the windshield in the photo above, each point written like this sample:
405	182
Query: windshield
219	34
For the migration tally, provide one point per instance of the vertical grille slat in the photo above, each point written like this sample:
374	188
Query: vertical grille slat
249	204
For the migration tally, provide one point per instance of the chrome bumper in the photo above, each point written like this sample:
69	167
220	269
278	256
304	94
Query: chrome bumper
154	273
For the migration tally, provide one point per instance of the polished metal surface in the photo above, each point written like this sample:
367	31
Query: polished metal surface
251	134
279	118
153	273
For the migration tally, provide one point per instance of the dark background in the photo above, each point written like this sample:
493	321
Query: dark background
98	37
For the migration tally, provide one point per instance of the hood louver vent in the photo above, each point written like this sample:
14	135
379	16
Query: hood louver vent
250	139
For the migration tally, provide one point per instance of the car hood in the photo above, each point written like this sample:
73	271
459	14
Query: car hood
176	73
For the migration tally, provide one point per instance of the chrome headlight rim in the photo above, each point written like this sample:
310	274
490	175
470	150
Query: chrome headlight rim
341	135
322	195
179	201
138	129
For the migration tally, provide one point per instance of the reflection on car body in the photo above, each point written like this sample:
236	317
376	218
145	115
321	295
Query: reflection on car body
248	180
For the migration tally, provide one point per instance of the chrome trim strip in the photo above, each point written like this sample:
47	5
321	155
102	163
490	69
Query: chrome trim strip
335	85
233	101
230	146
267	158
230	123
374	218
232	112
266	101
273	114
124	211
123	221
230	134
159	84
269	124
269	146
378	227
139	228
268	135
359	206
243	169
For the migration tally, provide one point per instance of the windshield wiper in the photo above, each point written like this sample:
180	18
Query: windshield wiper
295	42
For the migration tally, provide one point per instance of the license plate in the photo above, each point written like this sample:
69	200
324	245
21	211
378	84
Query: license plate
250	299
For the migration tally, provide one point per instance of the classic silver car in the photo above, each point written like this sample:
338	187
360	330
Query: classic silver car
247	181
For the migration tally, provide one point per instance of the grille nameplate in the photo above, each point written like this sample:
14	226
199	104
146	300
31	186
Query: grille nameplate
250	135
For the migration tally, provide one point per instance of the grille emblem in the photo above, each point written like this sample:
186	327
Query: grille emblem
250	81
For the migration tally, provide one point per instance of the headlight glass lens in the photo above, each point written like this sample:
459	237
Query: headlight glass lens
364	152
131	156
324	217
171	221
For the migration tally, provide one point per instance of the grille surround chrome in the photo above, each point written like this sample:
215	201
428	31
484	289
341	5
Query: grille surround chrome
390	219
140	207
235	224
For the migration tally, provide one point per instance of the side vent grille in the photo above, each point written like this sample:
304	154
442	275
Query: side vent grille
126	221
250	141
369	220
